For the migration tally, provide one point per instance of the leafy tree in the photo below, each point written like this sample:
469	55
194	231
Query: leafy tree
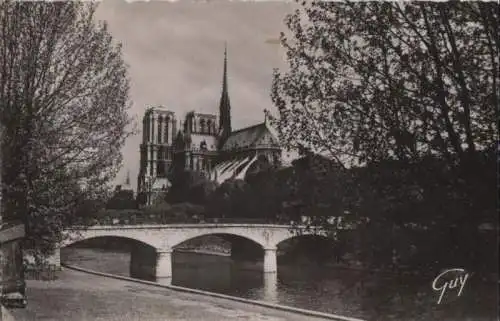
186	211
230	200
158	208
122	199
190	186
200	192
264	194
418	79
408	91
64	100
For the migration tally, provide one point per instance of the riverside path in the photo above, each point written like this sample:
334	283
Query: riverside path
79	296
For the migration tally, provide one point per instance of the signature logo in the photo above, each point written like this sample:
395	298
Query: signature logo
448	280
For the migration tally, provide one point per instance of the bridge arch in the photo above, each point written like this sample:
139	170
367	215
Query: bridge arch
315	247
113	239
238	247
298	236
76	236
175	242
142	260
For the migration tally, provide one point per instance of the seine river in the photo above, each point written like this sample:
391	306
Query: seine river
339	291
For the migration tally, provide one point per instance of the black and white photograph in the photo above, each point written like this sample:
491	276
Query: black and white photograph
221	160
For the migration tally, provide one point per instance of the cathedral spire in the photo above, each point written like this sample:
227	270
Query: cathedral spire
224	76
225	105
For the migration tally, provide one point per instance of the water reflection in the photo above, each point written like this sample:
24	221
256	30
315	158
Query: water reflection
209	273
270	287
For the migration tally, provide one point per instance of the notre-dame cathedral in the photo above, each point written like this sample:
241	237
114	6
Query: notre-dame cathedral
202	144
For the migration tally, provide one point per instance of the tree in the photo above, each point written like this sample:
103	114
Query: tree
160	207
230	200
264	194
376	81
408	91
122	199
200	193
87	211
64	100
190	186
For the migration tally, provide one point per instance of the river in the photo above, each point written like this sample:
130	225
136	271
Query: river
339	291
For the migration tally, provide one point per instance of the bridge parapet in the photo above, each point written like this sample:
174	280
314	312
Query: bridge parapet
186	225
163	220
160	219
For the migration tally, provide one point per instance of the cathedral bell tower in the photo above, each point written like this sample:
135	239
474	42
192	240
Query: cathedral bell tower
224	107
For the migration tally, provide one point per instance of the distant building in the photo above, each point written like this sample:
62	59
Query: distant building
123	197
202	144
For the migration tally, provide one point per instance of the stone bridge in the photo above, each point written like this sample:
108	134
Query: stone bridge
162	239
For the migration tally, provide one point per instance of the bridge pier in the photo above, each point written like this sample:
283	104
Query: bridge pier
270	261
163	268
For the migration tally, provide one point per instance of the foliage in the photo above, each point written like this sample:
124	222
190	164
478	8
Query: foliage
64	100
230	199
406	91
158	208
201	192
190	186
282	194
122	199
164	213
265	191
187	210
376	81
117	213
420	217
319	189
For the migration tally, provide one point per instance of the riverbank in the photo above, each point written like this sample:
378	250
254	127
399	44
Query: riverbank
79	296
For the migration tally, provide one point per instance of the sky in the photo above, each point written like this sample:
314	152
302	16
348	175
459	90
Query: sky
175	53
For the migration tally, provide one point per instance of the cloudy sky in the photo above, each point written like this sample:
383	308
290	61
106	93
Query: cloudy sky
175	54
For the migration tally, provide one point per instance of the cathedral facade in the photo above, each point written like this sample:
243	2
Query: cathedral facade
202	143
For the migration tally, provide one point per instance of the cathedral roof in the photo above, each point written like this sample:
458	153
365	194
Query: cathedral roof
251	137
